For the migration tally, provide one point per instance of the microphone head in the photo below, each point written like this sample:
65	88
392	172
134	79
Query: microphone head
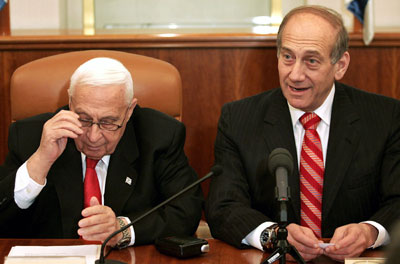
280	157
217	170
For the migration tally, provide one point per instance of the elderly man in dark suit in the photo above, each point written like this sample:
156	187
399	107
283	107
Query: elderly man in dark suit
92	167
345	143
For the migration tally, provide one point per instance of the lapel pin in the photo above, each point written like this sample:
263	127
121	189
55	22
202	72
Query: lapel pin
128	180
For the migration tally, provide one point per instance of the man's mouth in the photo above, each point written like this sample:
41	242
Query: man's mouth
93	147
299	89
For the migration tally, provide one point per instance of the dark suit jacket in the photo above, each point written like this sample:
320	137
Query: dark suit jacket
150	153
362	172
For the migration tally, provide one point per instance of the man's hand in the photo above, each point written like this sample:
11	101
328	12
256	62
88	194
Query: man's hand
304	240
56	131
351	240
98	223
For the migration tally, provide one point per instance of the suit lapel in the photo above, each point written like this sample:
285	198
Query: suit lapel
122	174
66	174
278	133
342	143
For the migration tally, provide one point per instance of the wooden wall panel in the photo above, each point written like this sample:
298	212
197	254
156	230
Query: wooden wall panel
214	71
375	69
4	105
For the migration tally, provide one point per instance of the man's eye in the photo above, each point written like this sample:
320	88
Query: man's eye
106	123
313	63
85	122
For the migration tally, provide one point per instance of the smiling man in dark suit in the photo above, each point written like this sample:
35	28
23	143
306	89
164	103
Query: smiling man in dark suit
49	189
346	182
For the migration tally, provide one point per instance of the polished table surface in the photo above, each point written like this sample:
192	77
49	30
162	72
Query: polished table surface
220	252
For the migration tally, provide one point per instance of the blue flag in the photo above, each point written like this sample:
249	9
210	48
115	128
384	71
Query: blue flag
363	10
357	7
2	4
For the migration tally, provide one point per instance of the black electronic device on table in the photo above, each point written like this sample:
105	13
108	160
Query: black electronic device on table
182	247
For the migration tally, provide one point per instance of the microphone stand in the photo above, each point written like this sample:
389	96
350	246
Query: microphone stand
282	245
216	170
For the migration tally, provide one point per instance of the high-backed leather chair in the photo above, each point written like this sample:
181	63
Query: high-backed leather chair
41	86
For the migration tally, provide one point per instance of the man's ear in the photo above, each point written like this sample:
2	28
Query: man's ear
341	66
131	107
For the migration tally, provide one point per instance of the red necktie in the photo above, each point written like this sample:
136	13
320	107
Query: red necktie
311	174
91	184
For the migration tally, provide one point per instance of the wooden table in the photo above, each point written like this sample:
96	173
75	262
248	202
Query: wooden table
220	252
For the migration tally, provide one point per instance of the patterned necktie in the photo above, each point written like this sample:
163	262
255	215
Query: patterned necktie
91	184
311	174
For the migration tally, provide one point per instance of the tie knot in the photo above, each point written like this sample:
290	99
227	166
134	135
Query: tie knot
91	163
310	120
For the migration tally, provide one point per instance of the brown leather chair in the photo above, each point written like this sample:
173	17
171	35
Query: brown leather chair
41	86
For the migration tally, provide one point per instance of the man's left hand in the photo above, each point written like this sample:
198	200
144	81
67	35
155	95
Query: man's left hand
98	223
351	240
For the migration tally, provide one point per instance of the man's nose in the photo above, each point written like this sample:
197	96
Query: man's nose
297	73
94	133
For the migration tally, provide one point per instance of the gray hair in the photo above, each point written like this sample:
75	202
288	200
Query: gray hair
101	72
331	16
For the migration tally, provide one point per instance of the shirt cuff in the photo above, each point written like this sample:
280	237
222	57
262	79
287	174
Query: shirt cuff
26	189
383	235
253	238
128	221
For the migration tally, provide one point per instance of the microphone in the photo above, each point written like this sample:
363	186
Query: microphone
280	163
216	170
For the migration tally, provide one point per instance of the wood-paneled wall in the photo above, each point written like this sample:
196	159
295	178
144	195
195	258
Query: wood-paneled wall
215	69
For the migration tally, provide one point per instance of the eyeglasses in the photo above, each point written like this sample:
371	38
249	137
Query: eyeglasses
102	125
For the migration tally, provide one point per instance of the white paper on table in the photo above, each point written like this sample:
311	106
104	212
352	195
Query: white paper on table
44	260
91	252
365	260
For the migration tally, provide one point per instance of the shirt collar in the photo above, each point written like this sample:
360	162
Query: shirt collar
324	111
105	159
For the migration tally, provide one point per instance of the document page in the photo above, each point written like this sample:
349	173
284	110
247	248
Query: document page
63	254
364	260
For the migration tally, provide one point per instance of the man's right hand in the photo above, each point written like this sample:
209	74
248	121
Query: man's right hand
56	131
304	240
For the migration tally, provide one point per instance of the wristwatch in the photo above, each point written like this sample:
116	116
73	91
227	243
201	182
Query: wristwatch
268	237
126	235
